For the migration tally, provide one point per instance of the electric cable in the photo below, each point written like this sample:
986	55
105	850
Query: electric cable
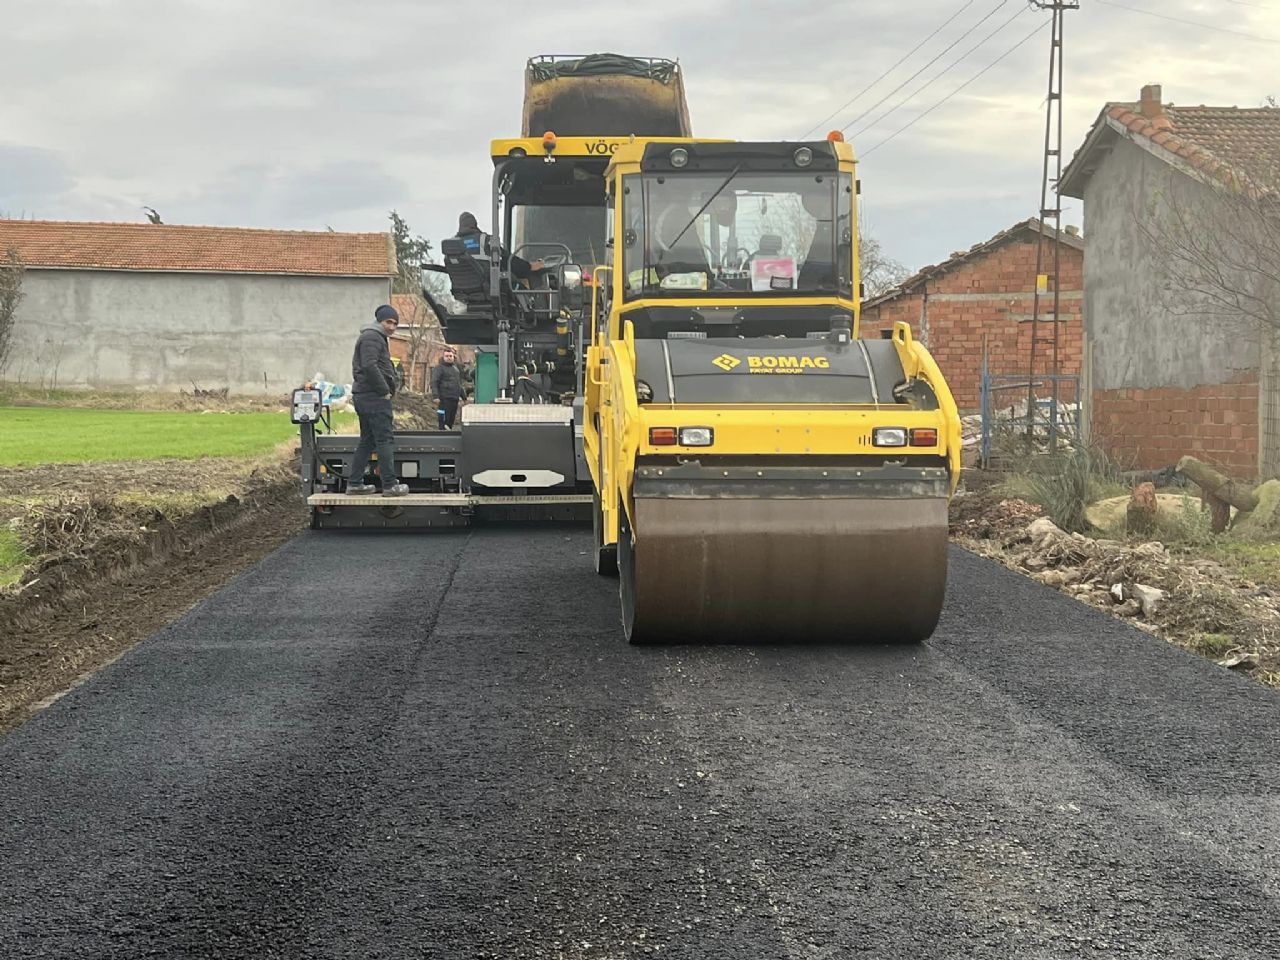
956	91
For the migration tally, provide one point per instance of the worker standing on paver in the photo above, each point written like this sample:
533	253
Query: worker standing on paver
446	387
373	384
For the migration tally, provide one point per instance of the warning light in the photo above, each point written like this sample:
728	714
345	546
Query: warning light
835	136
548	141
662	436
924	437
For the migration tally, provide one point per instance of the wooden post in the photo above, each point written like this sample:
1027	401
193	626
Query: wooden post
1217	485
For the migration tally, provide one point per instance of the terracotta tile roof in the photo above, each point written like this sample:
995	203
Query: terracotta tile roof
1241	144
1029	227
183	249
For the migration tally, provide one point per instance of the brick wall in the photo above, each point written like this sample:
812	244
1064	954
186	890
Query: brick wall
1151	428
988	296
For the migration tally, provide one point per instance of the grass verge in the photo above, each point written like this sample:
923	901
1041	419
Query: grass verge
48	435
13	557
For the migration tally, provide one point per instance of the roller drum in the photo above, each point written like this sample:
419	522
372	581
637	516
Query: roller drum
821	569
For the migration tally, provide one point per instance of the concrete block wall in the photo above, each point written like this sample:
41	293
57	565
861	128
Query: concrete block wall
990	296
1167	380
252	334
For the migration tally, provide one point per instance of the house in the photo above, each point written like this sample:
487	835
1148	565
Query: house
1181	302
984	297
154	306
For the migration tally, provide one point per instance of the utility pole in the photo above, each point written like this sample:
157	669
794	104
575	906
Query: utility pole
1050	217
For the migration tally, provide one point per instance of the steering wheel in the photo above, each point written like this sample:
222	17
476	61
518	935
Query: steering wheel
562	255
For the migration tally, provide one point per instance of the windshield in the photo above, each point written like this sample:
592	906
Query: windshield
767	233
543	231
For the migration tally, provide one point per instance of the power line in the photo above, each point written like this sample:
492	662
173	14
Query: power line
954	92
1190	23
861	93
941	53
936	77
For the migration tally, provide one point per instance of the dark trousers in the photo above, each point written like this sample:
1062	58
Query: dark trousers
447	412
376	433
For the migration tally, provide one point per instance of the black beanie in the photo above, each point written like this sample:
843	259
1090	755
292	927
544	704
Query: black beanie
467	223
386	312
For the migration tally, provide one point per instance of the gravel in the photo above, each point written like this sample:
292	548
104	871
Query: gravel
384	746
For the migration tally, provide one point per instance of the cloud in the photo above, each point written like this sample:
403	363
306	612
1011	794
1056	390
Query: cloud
304	114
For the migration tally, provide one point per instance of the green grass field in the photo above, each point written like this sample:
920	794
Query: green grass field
38	435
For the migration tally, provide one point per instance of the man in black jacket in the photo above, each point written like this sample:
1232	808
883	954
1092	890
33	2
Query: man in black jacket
373	384
446	387
480	245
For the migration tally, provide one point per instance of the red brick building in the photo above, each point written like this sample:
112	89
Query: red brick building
984	295
419	325
1181	310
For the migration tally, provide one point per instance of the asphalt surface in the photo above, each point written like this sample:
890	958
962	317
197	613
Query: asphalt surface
439	746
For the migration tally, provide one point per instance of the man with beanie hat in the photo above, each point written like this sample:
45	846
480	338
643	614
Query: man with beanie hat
373	384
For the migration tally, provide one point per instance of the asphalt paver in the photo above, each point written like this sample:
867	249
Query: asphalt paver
407	745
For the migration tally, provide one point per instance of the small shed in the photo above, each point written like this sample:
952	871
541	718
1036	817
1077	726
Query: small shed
164	307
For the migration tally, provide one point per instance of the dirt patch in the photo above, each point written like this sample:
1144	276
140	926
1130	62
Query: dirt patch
1195	603
110	572
119	551
196	399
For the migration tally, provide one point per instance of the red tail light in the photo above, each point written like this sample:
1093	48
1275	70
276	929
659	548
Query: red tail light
924	437
662	436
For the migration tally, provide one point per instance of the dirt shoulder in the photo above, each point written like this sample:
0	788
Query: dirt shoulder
109	570
1211	600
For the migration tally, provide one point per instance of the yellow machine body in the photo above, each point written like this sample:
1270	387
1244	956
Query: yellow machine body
794	512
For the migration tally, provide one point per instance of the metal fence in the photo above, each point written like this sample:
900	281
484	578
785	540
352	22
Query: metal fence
1049	424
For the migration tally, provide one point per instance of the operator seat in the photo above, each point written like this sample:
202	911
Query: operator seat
770	246
468	274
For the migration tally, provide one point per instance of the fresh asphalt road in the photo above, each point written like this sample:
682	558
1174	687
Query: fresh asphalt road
440	746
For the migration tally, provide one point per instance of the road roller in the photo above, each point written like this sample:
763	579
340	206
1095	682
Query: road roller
759	470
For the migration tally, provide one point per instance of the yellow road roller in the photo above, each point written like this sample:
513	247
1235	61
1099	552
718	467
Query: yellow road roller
759	470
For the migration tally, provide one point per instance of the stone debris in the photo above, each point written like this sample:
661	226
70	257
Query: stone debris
1166	594
1240	661
1149	598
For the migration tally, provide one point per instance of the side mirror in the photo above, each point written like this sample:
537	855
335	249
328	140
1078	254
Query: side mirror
571	287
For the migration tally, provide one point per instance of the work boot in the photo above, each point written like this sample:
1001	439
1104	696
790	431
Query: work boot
361	489
396	490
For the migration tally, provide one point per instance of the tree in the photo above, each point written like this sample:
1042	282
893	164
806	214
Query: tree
1215	244
11	274
411	253
880	272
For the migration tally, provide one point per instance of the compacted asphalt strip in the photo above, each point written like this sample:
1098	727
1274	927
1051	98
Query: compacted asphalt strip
382	745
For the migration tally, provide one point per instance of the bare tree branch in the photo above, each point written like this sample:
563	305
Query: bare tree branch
11	276
1216	245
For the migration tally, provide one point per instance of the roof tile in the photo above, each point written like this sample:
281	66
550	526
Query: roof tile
189	249
1240	143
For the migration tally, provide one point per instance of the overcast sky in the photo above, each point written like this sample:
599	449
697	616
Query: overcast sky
325	113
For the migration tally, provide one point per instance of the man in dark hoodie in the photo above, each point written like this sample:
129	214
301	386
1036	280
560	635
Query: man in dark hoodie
373	384
480	245
446	386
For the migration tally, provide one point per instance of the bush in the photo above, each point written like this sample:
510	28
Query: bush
1065	485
